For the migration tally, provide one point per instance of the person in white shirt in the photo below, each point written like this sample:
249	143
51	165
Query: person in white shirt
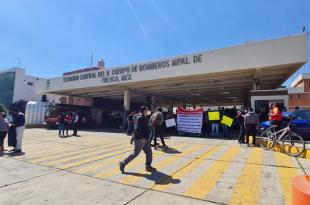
75	124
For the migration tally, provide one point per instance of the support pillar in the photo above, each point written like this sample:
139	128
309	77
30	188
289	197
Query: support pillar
127	100
170	107
126	109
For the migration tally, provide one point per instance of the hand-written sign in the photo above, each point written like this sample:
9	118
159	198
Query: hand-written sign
124	74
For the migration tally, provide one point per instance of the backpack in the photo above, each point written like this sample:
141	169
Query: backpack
155	119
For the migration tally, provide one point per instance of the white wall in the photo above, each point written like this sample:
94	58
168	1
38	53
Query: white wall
23	91
272	97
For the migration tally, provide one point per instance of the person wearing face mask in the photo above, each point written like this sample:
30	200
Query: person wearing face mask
141	141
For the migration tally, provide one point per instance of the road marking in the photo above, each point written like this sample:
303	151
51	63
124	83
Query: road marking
132	179
94	166
247	190
108	173
207	181
84	154
74	153
186	170
91	159
286	175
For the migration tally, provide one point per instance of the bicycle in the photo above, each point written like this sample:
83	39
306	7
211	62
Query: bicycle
292	143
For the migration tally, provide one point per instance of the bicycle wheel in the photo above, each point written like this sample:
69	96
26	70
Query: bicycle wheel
267	140
293	144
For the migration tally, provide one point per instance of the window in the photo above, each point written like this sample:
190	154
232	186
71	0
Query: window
291	96
30	83
298	96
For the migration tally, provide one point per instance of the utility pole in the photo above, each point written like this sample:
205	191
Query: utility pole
18	61
91	60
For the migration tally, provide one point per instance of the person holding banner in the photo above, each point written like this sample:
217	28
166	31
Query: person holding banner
251	123
224	126
214	117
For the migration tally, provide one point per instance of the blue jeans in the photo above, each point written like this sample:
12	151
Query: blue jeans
225	131
215	129
61	129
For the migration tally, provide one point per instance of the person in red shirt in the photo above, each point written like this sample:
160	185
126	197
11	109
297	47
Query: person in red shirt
68	121
275	115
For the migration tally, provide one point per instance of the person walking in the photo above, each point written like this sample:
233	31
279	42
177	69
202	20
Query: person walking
61	125
157	120
251	123
141	141
4	125
19	124
75	123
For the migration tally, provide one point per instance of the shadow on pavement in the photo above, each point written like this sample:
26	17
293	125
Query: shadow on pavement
157	176
168	150
12	154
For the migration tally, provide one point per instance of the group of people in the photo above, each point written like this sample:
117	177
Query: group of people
214	128
66	121
249	122
14	128
156	126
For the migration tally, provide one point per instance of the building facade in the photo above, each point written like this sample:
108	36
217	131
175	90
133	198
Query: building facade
299	93
15	85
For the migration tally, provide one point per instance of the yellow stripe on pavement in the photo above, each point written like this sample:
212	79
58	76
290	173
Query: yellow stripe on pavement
84	154
207	181
108	173
132	179
54	148
98	165
91	159
286	174
61	155
117	159
188	169
247	189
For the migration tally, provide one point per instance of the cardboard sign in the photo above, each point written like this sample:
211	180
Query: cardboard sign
227	121
170	123
213	116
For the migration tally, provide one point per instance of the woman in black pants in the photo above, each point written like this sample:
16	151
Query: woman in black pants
4	124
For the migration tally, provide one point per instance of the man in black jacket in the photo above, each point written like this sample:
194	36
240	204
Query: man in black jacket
141	141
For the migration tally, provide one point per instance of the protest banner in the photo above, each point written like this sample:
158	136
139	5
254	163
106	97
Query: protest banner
214	116
170	123
189	121
227	121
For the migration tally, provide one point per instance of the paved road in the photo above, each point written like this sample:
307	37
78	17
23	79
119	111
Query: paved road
84	170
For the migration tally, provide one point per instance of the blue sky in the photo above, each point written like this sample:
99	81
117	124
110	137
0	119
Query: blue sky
55	36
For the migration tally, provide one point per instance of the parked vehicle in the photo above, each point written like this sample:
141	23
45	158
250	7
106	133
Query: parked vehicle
299	120
53	111
301	123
